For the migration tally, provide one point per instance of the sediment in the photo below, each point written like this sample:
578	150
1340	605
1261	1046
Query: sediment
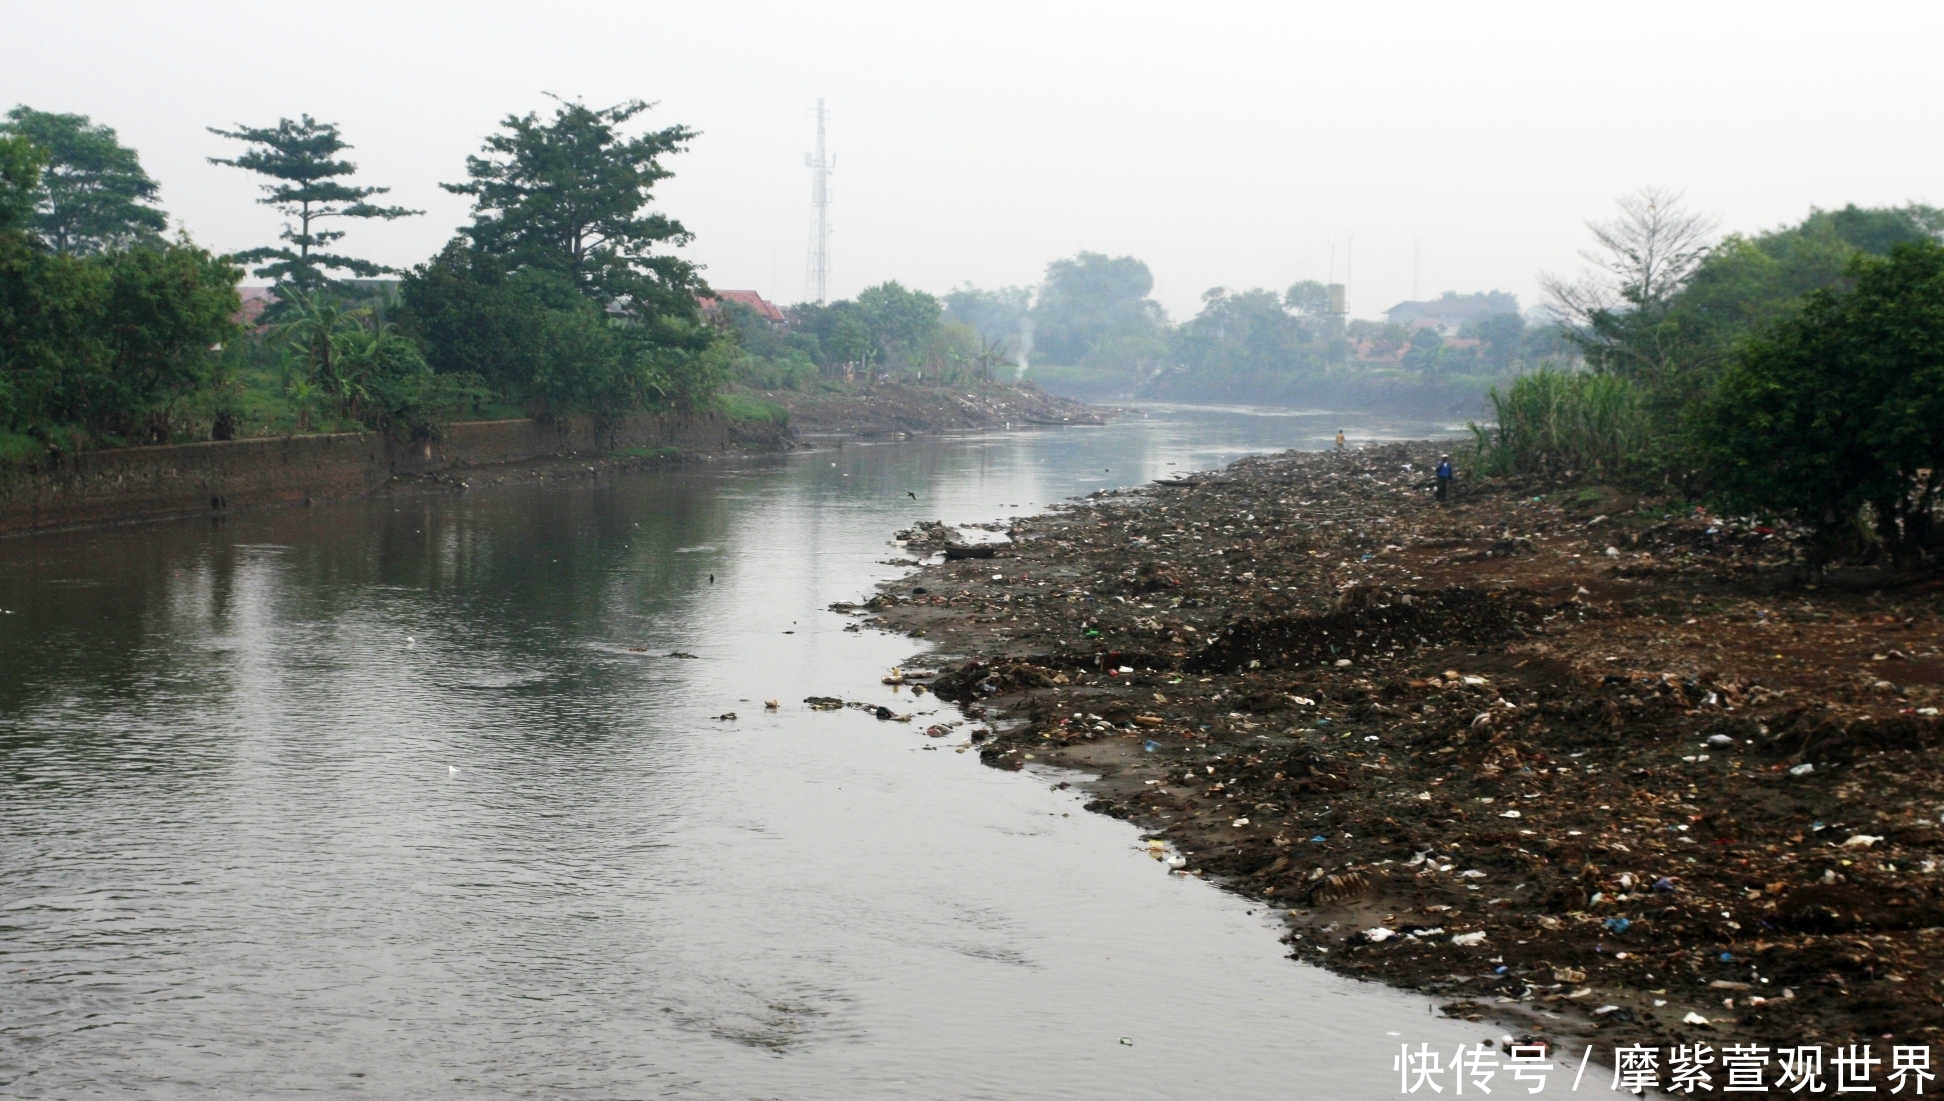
1586	763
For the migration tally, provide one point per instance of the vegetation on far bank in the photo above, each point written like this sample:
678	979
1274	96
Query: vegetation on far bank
1794	373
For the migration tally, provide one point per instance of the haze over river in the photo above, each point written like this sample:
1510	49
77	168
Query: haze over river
405	797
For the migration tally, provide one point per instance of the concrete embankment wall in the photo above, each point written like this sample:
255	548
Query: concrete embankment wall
147	483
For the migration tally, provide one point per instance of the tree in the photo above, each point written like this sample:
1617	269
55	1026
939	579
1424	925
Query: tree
1308	298
903	323
1643	257
108	342
93	195
1095	310
1002	317
570	196
301	158
1499	336
1841	406
20	166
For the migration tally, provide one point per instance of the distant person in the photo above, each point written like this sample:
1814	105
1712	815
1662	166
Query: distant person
1339	439
1444	477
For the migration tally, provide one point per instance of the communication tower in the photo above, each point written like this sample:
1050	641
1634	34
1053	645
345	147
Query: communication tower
821	165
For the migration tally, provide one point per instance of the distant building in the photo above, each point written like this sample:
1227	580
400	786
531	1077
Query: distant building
711	303
1449	312
255	301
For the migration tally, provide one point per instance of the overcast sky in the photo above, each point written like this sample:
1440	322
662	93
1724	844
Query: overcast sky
1412	147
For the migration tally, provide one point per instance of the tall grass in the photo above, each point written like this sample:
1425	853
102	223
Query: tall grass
1554	422
748	407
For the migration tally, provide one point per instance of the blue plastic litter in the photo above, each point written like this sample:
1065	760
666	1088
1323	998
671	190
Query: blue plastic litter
1618	924
1150	745
1663	884
1726	957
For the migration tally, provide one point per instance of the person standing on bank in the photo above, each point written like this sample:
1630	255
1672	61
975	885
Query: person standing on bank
1339	439
1444	478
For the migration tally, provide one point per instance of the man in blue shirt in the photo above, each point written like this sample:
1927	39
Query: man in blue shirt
1444	477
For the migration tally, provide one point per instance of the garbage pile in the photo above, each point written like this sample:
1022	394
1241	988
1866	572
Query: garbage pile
1599	763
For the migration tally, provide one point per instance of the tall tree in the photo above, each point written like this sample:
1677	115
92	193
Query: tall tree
93	195
571	194
20	165
1616	312
1095	309
302	159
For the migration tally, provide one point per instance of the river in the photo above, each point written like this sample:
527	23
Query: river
407	797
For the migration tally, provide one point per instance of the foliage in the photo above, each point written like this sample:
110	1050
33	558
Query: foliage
570	196
301	158
1617	312
749	408
533	338
1244	346
93	195
1552	422
903	325
21	162
364	366
109	342
1095	310
559	292
1002	318
1840	407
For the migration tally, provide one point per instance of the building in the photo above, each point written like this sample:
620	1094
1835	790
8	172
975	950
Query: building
711	303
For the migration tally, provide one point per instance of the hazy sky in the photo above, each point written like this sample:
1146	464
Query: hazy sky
1415	147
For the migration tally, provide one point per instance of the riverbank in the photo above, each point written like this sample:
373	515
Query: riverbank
134	484
896	408
1586	763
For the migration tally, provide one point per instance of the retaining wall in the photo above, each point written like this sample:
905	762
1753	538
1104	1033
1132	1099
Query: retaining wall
147	483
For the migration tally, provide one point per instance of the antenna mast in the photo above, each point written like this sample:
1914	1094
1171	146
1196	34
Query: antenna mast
821	165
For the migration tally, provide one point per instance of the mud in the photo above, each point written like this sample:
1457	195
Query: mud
1579	762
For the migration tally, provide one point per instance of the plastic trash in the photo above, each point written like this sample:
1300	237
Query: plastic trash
1618	924
1803	769
1150	745
1466	940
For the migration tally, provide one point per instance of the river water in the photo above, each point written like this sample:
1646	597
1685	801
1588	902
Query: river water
406	797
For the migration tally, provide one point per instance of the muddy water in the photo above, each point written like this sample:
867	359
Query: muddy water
408	798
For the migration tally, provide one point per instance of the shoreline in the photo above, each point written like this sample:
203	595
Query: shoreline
116	486
1482	751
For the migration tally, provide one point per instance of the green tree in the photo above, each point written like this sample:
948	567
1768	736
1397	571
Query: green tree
1095	310
112	342
570	195
20	166
1840	407
903	323
302	159
1244	346
839	334
93	195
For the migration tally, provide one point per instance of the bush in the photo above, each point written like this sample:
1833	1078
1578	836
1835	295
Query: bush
1552	421
751	409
